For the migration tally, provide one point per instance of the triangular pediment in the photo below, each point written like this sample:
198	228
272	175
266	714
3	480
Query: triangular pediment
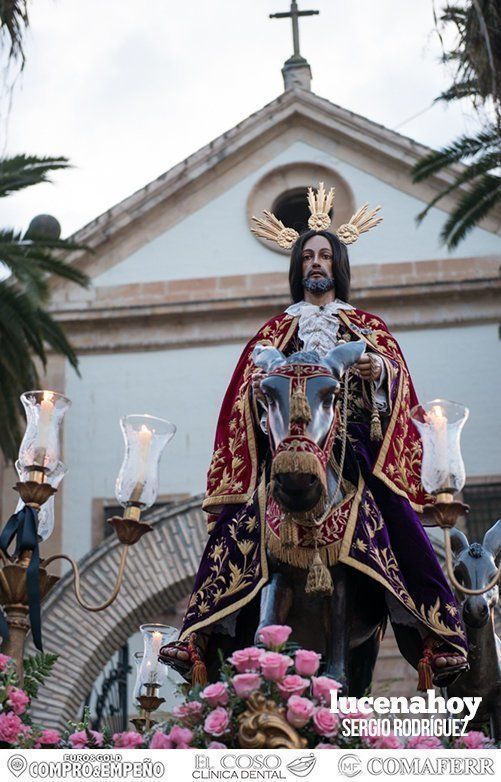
205	183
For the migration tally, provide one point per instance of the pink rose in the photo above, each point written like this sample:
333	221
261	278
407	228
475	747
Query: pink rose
17	700
323	745
215	694
11	727
325	722
128	739
424	742
474	739
274	636
307	662
385	742
322	687
217	722
48	738
81	740
188	713
292	685
274	665
356	715
216	745
246	659
178	738
246	683
5	660
160	741
299	711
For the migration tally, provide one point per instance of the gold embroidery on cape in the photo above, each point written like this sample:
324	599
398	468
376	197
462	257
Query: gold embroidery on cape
385	570
226	481
239	603
396	465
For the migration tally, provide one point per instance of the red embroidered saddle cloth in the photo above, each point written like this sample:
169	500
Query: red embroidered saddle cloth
327	536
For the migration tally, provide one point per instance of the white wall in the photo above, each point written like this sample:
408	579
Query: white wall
216	241
463	365
185	386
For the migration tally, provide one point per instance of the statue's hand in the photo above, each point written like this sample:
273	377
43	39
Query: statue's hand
256	378
363	368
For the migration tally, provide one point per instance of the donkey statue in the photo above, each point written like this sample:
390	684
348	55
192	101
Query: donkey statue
475	565
329	607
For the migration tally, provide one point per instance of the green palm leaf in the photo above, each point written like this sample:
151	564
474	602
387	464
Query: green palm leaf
472	208
462	149
27	330
20	171
13	24
486	164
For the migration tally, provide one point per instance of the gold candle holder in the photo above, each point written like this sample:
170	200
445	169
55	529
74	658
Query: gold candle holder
148	703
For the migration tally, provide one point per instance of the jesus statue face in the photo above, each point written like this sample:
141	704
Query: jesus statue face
318	282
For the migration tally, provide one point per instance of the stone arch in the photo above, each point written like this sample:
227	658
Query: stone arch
160	569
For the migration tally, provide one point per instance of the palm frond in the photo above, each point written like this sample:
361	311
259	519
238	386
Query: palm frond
461	149
22	256
14	21
485	165
20	171
19	316
462	89
52	333
472	208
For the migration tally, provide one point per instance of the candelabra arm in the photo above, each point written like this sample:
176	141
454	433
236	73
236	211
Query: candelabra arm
450	571
76	583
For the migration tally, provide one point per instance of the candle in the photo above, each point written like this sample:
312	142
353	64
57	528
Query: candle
145	437
151	666
438	422
44	423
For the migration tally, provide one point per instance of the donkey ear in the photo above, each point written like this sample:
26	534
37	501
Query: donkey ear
492	540
459	541
267	357
344	356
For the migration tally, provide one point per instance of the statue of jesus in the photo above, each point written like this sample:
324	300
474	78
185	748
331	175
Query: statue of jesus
384	538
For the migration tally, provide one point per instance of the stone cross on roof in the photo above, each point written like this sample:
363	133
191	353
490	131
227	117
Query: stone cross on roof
296	70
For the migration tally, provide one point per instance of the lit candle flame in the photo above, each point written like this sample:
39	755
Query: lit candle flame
44	423
438	412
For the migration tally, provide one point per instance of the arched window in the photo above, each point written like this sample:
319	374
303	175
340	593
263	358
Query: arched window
283	191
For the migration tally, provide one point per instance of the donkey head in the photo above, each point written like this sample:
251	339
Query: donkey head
475	565
299	394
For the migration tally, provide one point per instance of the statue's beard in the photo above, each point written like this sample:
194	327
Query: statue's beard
318	286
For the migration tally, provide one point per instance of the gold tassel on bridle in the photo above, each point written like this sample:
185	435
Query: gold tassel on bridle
300	412
289	533
376	428
319	579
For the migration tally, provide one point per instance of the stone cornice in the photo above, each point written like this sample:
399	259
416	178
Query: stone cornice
200	312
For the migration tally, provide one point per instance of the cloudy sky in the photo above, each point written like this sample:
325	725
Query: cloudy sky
127	89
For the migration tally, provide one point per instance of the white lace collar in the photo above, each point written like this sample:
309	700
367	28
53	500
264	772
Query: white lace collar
318	325
305	308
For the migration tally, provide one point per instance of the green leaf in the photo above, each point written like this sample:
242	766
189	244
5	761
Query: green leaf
484	165
36	671
472	208
460	150
20	171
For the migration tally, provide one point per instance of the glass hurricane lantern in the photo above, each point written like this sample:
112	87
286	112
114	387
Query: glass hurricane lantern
136	489
440	423
151	673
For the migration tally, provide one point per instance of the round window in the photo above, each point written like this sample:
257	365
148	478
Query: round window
291	208
283	191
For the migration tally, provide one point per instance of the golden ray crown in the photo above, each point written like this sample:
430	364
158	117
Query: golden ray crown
319	203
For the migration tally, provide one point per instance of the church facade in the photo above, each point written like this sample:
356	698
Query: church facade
179	284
